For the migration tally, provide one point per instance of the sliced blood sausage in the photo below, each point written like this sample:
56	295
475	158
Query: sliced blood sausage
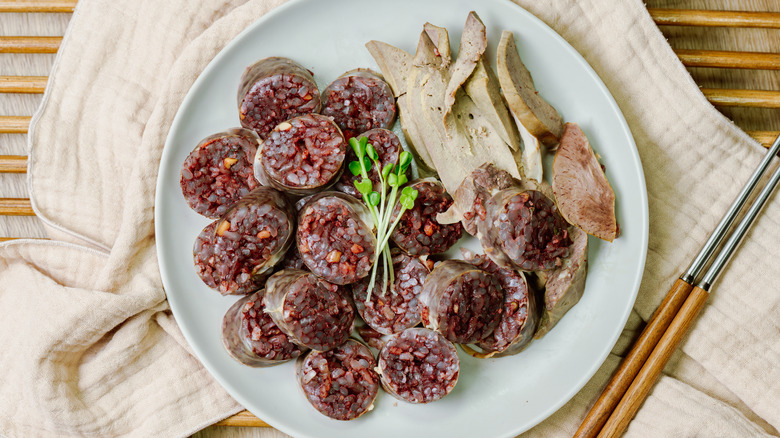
302	155
525	228
418	366
236	252
419	232
461	301
340	383
473	195
335	237
387	147
273	90
520	316
359	100
219	171
396	309
252	338
312	312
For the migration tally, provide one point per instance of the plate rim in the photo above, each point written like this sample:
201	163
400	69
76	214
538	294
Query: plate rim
596	79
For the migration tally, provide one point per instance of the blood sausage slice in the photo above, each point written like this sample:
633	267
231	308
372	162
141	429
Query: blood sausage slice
340	383
418	366
273	90
252	338
312	312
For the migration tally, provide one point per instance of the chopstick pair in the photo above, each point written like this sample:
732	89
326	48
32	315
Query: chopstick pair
639	370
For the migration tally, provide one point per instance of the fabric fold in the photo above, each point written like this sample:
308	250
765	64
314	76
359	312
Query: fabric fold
91	347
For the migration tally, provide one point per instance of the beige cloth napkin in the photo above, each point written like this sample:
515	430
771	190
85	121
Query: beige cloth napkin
89	346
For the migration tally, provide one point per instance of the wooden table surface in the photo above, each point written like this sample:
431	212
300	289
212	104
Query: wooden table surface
748	94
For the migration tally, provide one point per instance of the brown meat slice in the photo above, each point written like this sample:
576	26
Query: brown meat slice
564	286
473	73
538	116
473	43
441	39
584	196
394	64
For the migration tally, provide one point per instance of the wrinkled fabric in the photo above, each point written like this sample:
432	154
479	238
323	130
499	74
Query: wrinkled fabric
90	345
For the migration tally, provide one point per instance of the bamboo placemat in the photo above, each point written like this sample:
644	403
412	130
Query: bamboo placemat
731	55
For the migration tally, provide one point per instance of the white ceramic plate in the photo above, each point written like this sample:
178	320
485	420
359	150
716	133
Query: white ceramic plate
495	397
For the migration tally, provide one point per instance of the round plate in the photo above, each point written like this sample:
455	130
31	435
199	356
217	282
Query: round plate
494	397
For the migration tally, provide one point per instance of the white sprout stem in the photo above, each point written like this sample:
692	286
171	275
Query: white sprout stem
395	223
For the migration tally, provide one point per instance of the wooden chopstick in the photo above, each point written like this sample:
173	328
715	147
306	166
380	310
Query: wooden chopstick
24	6
687	17
29	44
23	84
651	369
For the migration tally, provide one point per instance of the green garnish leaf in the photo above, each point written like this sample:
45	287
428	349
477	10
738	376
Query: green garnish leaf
364	186
363	142
409	192
405	159
386	170
354	168
408	197
355	146
402	179
367	163
374	198
392	180
371	152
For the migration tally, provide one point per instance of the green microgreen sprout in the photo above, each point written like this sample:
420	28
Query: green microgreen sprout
379	203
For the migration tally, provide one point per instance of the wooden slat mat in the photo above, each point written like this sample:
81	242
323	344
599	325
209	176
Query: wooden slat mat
731	55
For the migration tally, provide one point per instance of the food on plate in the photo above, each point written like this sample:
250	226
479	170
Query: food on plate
520	316
335	237
387	146
418	366
584	195
218	172
480	132
459	139
565	285
310	311
530	109
461	301
525	230
473	74
394	64
396	309
419	232
236	252
273	90
472	197
341	383
358	101
302	155
251	336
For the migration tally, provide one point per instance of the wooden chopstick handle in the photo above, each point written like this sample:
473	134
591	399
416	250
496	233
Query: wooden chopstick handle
645	379
633	362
